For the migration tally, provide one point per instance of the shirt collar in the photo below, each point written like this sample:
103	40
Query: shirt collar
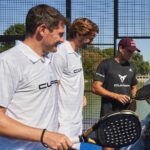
30	54
70	50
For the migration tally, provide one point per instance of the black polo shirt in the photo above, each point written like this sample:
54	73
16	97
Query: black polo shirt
117	78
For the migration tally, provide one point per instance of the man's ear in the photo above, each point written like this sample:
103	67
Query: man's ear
41	29
119	48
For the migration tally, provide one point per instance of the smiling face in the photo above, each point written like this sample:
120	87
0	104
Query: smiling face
52	38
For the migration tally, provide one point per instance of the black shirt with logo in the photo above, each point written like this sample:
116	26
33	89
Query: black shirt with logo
117	78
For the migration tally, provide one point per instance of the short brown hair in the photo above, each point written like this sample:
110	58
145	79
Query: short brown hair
82	27
43	14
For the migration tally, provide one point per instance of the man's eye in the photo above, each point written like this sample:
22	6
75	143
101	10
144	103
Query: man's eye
61	34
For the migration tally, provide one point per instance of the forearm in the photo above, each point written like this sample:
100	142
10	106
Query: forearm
133	91
104	92
97	88
12	128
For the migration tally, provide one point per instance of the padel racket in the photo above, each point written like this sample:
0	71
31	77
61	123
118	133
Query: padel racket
115	130
143	93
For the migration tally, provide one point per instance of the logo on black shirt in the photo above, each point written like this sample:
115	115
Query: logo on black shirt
122	78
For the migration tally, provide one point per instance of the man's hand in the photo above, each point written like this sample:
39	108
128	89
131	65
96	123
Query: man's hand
57	141
84	101
124	99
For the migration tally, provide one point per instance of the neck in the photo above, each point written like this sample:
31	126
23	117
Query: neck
34	45
120	60
74	44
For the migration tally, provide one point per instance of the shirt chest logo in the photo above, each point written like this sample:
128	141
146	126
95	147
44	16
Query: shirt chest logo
77	70
46	85
130	70
122	78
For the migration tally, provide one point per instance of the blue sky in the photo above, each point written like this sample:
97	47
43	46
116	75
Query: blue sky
144	46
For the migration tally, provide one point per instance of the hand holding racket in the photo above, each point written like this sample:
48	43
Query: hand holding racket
143	93
115	130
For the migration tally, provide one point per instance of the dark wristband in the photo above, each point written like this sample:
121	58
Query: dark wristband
41	139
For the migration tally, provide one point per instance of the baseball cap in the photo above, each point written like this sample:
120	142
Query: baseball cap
129	44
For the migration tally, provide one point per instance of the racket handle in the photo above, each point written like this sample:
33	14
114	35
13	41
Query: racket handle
78	139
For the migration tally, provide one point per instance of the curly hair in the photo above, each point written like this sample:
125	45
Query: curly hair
82	27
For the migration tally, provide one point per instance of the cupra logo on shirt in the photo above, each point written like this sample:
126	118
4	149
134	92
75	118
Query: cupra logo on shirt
77	70
46	85
122	78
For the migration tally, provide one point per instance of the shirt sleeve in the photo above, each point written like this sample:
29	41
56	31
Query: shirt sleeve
8	82
100	72
134	80
58	62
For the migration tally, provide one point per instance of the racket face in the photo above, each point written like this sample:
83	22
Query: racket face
143	93
118	130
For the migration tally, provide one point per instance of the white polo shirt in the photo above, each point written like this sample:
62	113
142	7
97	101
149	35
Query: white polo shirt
28	89
69	70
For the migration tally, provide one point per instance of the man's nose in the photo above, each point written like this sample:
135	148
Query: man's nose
61	39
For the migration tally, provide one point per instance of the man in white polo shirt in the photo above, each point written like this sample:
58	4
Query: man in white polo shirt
28	91
68	65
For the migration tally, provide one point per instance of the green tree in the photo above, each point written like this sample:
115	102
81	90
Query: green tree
143	67
108	52
92	56
16	29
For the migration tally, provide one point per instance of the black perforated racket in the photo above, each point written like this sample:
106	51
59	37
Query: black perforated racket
115	130
143	93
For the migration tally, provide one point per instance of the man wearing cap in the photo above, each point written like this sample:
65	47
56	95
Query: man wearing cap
115	80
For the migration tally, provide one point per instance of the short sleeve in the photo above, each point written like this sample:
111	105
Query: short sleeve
58	63
100	72
134	80
8	82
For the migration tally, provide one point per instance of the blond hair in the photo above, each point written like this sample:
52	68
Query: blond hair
82	27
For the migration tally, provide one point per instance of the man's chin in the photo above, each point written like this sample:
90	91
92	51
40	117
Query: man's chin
53	50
